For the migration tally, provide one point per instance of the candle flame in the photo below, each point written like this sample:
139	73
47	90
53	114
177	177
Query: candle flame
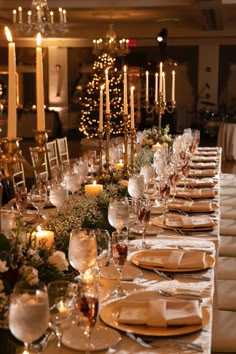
125	68
94	182
8	34
38	39
102	87
132	89
39	228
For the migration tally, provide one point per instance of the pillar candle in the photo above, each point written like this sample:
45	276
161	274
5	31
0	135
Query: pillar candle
93	189
164	86
125	92
44	237
156	87
173	86
160	78
12	122
147	86
40	85
101	109
107	92
132	107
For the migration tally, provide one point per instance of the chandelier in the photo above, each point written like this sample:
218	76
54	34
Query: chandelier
39	19
111	44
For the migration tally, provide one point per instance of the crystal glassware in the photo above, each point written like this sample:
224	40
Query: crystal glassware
118	212
61	307
143	216
119	249
87	308
21	199
28	312
82	250
103	241
58	194
39	197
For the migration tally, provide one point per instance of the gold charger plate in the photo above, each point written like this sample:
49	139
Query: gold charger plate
109	314
209	261
152	230
159	222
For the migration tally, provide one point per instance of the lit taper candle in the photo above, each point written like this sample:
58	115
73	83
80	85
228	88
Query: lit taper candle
107	92
132	107
12	122
40	85
101	109
125	92
160	78
173	86
156	87
147	86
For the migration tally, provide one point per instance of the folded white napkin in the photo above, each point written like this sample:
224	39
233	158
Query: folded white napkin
161	312
196	193
188	205
172	259
188	222
202	173
199	158
194	182
203	165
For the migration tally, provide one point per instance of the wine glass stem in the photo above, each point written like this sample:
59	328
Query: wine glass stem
119	269
143	235
59	338
26	348
87	343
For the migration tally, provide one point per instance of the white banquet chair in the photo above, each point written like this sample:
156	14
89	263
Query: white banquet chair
39	162
62	148
18	177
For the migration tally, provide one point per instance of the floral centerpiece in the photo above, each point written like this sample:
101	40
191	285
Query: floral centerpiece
22	258
155	135
83	211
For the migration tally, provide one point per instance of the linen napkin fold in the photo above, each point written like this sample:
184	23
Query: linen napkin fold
192	206
203	165
193	182
173	259
196	193
202	173
189	222
161	312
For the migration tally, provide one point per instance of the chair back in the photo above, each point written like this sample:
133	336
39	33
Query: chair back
39	162
18	177
62	148
52	156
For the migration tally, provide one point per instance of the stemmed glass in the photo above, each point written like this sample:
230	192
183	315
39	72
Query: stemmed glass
73	182
82	252
164	189
143	214
28	312
119	248
103	241
61	307
118	212
87	307
39	197
136	186
21	199
58	195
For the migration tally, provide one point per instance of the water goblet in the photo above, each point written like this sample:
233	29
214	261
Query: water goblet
143	214
164	189
87	307
61	307
136	186
73	181
21	199
82	252
119	249
58	195
103	241
39	197
118	212
28	312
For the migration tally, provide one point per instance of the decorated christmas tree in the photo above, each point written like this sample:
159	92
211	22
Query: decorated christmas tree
89	101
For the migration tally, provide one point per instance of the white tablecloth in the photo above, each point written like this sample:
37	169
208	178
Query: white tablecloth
227	140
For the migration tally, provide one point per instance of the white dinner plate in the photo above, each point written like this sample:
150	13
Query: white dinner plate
102	338
110	312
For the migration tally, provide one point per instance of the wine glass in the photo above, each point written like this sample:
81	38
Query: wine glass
87	307
82	252
143	214
58	194
28	312
103	241
136	186
118	212
21	199
119	249
73	181
61	307
39	197
164	190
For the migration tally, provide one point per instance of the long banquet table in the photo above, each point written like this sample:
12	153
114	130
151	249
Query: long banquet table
139	280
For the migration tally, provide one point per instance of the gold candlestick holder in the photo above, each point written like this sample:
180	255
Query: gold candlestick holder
160	107
9	155
100	151
133	150
126	138
41	138
108	135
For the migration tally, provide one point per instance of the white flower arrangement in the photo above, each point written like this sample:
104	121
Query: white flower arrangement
155	135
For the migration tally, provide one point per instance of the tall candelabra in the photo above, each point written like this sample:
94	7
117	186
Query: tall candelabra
126	139
160	107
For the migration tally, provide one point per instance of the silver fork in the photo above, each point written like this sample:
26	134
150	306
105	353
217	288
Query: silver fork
148	343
